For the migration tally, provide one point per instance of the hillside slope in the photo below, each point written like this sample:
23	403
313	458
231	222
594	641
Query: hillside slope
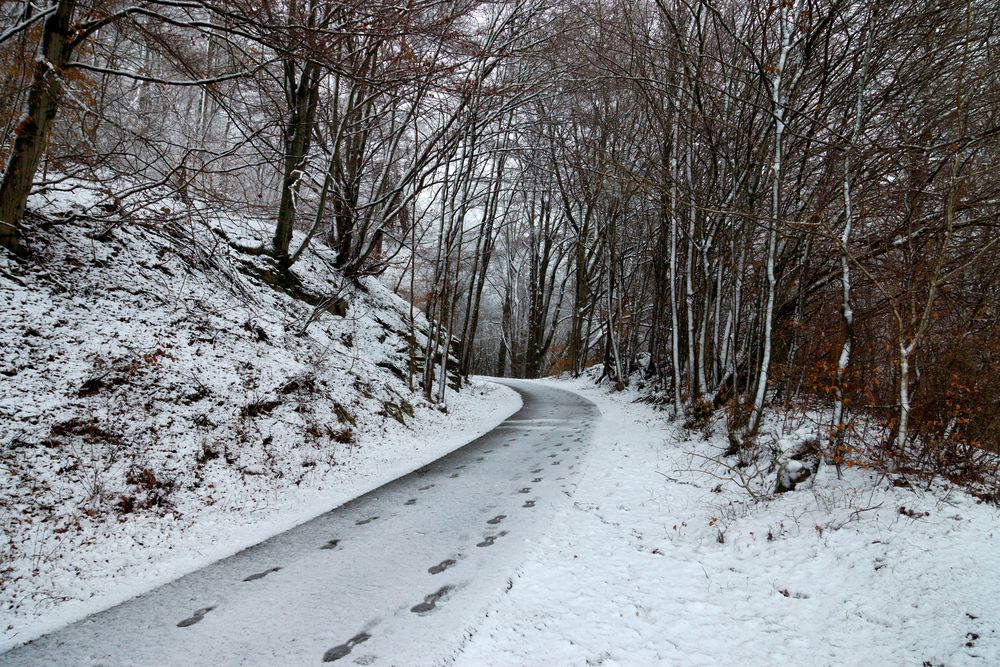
166	401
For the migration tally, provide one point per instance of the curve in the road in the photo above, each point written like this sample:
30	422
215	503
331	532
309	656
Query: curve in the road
393	577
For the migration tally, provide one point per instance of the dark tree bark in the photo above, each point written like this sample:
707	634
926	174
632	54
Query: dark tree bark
302	92
33	131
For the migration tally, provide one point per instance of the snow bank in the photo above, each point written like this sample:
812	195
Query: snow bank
162	406
661	558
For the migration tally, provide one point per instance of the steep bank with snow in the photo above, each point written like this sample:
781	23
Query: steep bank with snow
166	401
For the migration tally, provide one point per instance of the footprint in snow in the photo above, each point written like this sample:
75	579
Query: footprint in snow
454	475
362	522
489	540
528	503
481	458
195	617
338	652
424	488
261	575
411	501
536	480
526	489
442	566
552	456
536	471
331	544
430	601
555	463
497	519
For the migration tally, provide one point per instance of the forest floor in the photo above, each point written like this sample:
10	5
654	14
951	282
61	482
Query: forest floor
398	576
647	554
163	405
113	561
657	560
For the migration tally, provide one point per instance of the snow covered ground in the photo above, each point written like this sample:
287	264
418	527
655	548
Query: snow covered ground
117	562
166	402
655	560
392	578
162	406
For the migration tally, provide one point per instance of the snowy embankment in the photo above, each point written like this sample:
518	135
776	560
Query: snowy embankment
162	406
657	560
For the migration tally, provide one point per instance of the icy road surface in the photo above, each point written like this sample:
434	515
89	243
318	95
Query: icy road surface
396	577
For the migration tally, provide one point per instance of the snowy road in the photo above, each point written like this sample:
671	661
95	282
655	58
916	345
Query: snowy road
396	577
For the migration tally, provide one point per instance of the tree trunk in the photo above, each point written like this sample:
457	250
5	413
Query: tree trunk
675	360
303	98
505	323
33	131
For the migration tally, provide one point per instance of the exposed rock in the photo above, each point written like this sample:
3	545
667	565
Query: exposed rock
790	474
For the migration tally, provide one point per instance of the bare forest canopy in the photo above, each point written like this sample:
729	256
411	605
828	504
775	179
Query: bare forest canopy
735	202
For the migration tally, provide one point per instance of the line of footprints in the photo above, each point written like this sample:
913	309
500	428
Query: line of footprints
430	601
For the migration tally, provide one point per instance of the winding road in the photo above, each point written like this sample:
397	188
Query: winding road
399	576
